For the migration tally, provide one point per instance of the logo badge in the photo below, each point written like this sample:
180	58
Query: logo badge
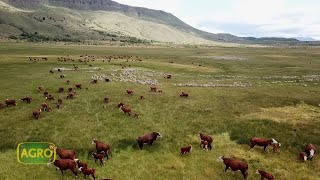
36	152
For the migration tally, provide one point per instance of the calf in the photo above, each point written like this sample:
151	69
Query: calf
70	90
65	164
234	165
126	110
303	156
207	138
129	92
87	172
60	90
50	97
185	150
265	175
204	144
36	113
11	102
78	86
102	147
148	139
44	106
70	95
81	164
106	99
46	93
262	142
51	71
27	99
185	95
98	156
66	154
310	150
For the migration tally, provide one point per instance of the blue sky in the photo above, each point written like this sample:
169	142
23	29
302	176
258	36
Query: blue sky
258	18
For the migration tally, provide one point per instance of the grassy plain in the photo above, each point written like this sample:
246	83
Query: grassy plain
282	101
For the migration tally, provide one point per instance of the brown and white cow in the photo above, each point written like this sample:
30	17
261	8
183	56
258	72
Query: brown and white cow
129	92
303	156
120	104
27	99
235	165
310	150
70	95
264	143
78	86
81	164
87	172
204	144
59	101
50	97
106	99
40	89
44	106
1	105
60	90
207	138
98	156
153	89
66	154
185	150
65	164
148	139
36	113
11	102
126	110
70	89
102	147
265	175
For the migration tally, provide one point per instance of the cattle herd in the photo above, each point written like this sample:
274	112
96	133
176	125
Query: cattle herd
68	158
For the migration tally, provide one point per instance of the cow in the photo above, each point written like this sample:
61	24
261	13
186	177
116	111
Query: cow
106	99
98	156
160	91
310	150
11	102
265	175
129	92
204	144
45	94
276	147
120	104
141	97
65	164
126	110
60	90
185	150
50	97
185	95
169	76
36	113
70	95
27	99
40	89
262	142
1	105
303	156
59	106
102	147
44	106
153	89
87	172
62	76
51	71
60	101
81	164
78	86
235	165
66	154
94	81
68	81
70	89
206	137
148	139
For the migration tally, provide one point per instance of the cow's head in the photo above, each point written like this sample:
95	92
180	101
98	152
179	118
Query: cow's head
276	147
80	168
94	141
220	159
158	135
274	141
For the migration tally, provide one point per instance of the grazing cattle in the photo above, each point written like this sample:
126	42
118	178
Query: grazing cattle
185	150
263	142
67	81
27	99
59	106
148	139
66	154
40	89
65	164
107	80
50	109
51	71
310	150
169	76
70	90
11	102
62	76
60	90
44	106
129	92
106	99
46	93
235	165
265	175
36	113
120	104
50	97
204	144
88	172
276	147
303	156
1	105
81	164
153	89
126	110
94	81
207	138
185	95
141	97
160	91
70	95
60	101
102	147
78	86
98	156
